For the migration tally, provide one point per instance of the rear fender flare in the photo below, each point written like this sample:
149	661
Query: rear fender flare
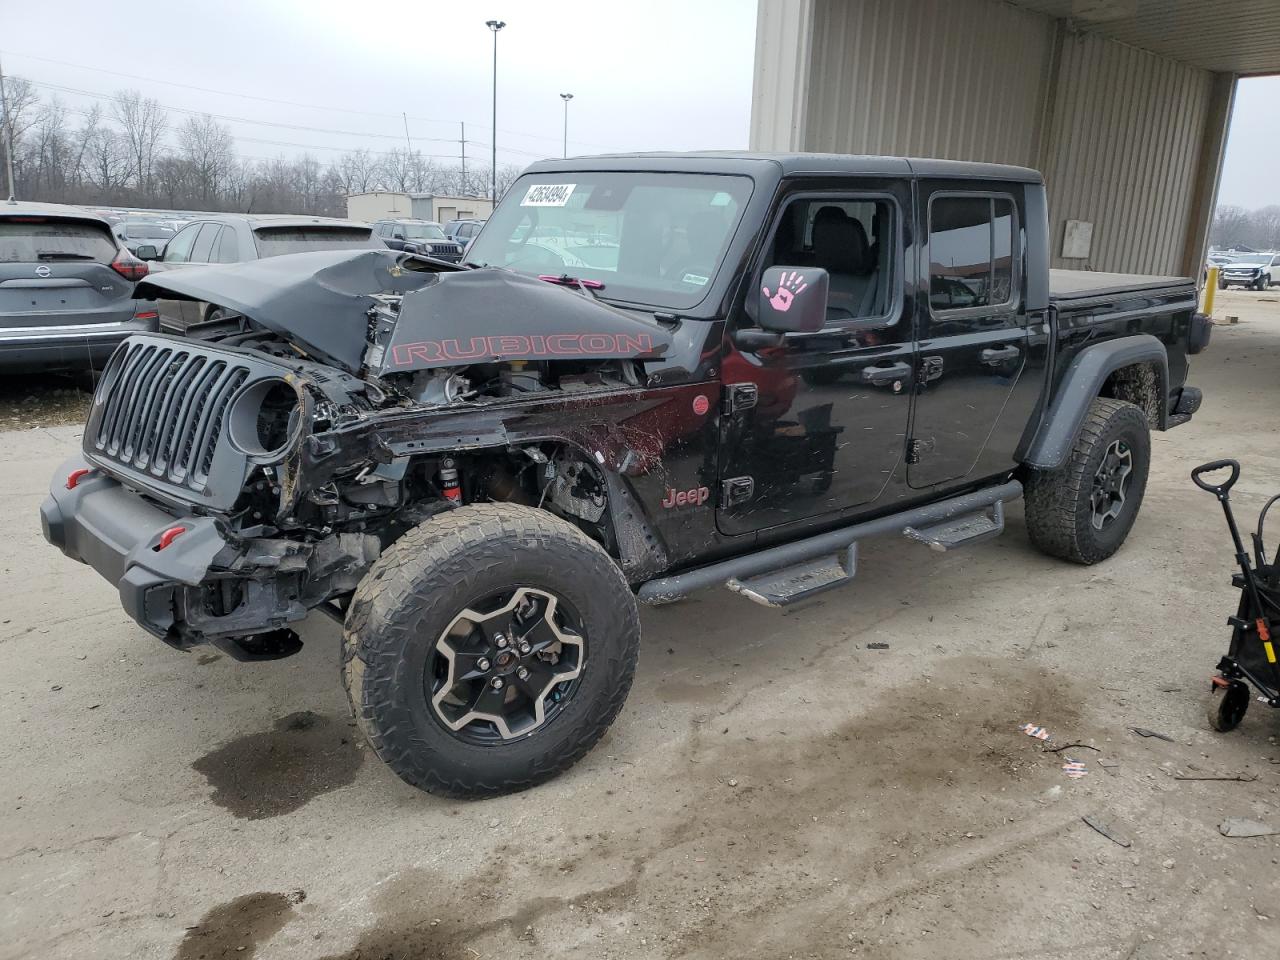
1082	383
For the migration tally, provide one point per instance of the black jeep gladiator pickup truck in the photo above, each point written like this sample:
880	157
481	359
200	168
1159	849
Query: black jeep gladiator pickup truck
656	373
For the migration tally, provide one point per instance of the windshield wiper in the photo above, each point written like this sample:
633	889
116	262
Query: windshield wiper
565	280
62	255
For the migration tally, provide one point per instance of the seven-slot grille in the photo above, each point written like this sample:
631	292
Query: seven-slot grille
162	407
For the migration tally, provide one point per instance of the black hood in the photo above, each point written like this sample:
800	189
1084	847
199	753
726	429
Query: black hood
448	316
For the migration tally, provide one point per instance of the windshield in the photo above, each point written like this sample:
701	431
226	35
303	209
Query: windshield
423	231
653	238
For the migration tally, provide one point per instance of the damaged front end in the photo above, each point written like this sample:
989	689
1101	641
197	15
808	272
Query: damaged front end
356	396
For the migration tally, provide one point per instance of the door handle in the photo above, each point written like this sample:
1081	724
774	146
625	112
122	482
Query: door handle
995	355
879	375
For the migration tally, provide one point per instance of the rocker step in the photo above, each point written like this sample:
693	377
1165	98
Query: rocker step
779	588
960	531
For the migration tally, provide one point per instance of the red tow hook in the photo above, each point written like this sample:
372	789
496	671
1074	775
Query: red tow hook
75	476
168	536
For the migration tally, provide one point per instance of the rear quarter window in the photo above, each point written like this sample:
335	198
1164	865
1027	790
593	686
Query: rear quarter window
30	240
277	241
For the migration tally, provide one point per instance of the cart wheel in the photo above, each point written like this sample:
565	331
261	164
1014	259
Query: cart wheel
1228	709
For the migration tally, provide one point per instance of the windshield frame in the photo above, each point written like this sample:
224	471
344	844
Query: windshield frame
744	193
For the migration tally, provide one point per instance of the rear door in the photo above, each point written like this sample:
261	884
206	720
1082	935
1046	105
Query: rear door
816	423
56	271
176	256
972	326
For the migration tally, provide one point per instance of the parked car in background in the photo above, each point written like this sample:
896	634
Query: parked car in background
237	238
462	231
66	289
425	237
136	233
1257	271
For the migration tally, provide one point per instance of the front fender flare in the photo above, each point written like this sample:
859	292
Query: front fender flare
1082	383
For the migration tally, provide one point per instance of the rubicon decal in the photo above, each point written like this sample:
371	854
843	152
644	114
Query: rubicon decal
686	498
519	346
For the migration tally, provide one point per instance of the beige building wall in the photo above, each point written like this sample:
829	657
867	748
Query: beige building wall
1128	141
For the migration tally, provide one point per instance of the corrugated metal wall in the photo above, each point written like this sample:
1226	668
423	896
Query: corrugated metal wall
780	91
1124	152
957	79
1118	132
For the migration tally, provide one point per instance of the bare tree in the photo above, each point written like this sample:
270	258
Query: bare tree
208	148
360	171
48	148
144	123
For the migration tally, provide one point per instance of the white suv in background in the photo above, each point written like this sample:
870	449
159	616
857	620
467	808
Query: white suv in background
1257	271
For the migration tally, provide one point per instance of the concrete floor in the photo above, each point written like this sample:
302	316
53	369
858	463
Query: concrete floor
773	788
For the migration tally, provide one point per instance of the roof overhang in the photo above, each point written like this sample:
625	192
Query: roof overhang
1225	36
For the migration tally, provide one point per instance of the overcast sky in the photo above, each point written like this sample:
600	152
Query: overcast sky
1249	177
657	75
662	74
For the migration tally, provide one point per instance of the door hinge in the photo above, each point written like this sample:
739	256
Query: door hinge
914	449
740	396
737	490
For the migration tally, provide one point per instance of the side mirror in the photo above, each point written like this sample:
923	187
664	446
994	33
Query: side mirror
793	299
147	251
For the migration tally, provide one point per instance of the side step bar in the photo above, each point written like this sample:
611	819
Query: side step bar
784	561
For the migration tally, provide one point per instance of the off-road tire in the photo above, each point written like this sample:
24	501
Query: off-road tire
1058	512
416	588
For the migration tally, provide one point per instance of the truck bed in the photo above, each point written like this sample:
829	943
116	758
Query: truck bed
1086	284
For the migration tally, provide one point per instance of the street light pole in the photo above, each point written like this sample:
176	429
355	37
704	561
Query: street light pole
566	97
495	26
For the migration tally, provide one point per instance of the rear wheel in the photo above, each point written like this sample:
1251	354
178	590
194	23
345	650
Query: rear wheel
1083	510
489	649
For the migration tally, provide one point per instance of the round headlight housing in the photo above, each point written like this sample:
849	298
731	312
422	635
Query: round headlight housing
264	420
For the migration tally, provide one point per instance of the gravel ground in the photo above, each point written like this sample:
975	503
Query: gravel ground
774	787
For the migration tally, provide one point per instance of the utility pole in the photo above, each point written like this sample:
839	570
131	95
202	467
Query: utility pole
566	97
407	143
495	26
463	144
8	131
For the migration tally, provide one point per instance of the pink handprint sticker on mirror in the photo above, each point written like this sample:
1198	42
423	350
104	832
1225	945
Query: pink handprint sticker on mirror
789	287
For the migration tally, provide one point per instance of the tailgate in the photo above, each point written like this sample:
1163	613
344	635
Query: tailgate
55	271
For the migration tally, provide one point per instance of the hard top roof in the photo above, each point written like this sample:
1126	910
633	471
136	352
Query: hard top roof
791	164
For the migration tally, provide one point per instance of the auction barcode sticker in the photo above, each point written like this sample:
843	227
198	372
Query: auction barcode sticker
548	195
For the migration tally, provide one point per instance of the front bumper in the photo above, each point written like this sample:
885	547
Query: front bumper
104	525
179	592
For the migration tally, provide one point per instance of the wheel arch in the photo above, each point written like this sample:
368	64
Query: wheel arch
1108	369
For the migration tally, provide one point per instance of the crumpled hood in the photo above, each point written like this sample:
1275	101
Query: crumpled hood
447	317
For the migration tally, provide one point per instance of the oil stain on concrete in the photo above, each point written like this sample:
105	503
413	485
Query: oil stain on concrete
236	929
277	771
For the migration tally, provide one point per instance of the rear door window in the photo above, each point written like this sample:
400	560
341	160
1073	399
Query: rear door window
202	252
36	239
228	248
971	252
276	241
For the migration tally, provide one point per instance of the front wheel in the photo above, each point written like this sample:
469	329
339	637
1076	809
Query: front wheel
1083	510
488	650
1227	709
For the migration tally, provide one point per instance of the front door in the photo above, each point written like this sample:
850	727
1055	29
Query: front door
972	330
815	424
